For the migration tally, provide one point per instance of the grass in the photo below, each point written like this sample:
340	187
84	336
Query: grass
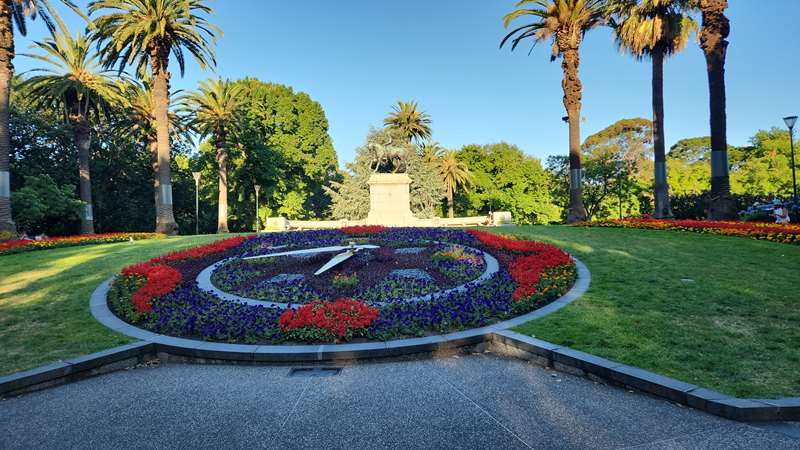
719	312
44	299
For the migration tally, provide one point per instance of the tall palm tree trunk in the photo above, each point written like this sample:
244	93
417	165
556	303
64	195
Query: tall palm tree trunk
82	133
572	102
222	163
165	219
662	207
6	73
153	146
716	28
450	207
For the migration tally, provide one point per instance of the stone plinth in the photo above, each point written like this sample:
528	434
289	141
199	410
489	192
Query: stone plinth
390	200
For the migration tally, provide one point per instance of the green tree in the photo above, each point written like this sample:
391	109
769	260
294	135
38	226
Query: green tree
505	179
144	33
455	175
73	81
713	41
565	22
656	29
42	205
412	123
13	14
216	106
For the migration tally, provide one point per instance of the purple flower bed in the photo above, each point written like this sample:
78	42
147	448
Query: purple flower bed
190	312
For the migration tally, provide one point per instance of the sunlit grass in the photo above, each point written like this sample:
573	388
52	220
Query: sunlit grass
720	312
44	299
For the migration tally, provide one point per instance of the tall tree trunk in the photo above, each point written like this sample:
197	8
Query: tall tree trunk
6	74
714	44
153	147
165	221
83	140
572	102
222	164
450	207
662	209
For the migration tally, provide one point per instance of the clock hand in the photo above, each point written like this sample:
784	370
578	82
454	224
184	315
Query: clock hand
336	260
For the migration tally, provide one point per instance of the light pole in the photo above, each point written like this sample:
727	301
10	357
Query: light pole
258	188
196	176
790	121
620	167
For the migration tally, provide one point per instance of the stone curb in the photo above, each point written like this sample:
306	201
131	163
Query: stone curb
584	364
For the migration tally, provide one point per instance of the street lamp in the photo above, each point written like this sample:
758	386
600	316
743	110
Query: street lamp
196	176
790	121
620	167
258	188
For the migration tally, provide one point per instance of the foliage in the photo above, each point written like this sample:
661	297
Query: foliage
411	123
505	179
649	26
350	196
42	205
215	107
455	175
344	281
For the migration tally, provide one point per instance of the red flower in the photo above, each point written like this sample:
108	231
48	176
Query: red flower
338	319
203	250
363	229
161	280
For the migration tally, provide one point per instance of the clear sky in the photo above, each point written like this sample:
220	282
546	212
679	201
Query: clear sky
358	57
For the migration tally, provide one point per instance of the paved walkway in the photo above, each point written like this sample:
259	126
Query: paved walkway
478	401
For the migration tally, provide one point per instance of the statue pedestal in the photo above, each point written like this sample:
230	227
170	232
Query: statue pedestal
390	200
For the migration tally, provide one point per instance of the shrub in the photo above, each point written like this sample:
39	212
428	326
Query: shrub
42	206
320	321
6	236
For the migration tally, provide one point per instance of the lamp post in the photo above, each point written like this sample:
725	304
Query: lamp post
790	121
258	188
196	176
620	167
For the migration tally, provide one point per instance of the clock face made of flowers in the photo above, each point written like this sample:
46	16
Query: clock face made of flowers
371	273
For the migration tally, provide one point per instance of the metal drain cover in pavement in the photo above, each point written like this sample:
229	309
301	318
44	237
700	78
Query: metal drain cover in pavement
315	372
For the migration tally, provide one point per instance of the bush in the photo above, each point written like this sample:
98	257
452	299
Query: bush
6	236
42	206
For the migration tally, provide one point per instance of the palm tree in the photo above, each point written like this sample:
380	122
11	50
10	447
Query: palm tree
431	152
565	22
713	35
216	106
142	124
75	83
455	175
144	33
413	124
656	29
14	12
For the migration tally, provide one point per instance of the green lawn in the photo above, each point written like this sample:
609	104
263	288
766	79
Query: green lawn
720	312
44	299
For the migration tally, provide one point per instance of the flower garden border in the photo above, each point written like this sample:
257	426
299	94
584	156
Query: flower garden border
496	337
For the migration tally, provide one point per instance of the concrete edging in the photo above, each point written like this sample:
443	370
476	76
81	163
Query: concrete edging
565	359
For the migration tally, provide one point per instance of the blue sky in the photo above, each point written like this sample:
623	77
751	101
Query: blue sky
358	57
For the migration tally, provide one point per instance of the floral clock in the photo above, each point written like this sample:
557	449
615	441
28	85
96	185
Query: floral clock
365	283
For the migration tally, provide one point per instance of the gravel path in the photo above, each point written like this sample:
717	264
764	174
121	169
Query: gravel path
479	401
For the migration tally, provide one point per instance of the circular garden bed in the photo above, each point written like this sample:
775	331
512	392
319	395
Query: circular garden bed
358	283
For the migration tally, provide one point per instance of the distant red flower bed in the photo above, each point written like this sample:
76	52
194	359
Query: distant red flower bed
327	321
19	246
363	229
534	260
784	233
161	278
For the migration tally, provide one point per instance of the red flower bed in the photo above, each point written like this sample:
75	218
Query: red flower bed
327	321
363	229
161	280
784	233
526	269
19	246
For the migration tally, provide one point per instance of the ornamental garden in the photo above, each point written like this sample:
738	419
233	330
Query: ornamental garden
402	282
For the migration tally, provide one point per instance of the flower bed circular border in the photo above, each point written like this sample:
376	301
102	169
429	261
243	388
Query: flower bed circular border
324	352
204	283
